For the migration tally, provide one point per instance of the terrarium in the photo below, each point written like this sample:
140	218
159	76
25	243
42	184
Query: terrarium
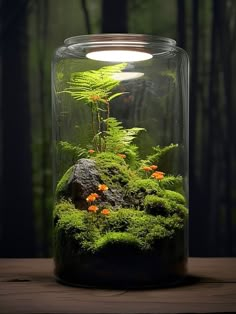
120	142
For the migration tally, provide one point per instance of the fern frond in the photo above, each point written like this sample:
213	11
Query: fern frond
114	135
94	84
172	183
116	95
76	151
131	134
160	152
119	139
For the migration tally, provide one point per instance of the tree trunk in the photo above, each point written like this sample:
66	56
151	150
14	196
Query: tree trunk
181	25
86	16
196	201
114	16
42	33
17	234
226	53
212	138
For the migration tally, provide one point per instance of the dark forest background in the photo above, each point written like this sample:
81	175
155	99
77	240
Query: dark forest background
30	30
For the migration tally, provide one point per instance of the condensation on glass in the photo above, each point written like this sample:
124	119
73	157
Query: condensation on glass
120	143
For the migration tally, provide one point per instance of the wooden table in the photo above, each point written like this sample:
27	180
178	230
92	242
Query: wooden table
28	286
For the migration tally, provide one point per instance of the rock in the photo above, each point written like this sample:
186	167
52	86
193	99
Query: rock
84	180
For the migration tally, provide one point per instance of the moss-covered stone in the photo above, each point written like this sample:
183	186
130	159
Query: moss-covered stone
62	186
113	170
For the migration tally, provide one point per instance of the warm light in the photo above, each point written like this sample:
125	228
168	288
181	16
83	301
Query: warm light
119	55
125	76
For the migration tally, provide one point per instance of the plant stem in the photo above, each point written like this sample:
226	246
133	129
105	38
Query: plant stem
99	130
93	129
92	119
108	110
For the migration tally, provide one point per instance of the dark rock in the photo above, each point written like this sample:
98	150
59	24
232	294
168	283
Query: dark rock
85	180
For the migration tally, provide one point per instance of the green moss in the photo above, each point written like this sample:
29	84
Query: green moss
165	228
72	222
62	186
175	196
113	169
151	230
140	188
119	220
62	207
116	243
179	210
75	230
122	232
157	233
147	186
155	205
172	223
147	229
164	206
140	227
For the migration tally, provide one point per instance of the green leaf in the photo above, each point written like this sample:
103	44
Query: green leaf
116	95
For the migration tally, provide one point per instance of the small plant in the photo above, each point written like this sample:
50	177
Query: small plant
94	88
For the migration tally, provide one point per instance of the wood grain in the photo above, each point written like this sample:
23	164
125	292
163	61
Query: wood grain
28	286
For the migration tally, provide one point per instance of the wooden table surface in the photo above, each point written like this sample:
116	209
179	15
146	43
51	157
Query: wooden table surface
28	286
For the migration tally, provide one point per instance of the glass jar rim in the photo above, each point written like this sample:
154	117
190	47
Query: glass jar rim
119	38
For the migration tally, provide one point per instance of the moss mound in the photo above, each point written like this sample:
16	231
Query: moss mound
148	186
123	231
63	207
117	243
155	205
77	231
175	196
139	188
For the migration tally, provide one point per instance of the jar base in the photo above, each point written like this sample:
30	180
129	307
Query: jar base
140	276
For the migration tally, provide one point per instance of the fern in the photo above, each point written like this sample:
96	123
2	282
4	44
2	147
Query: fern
172	183
76	151
160	152
95	89
114	135
118	139
95	85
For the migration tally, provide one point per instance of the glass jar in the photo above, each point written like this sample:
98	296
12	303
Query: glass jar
120	142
